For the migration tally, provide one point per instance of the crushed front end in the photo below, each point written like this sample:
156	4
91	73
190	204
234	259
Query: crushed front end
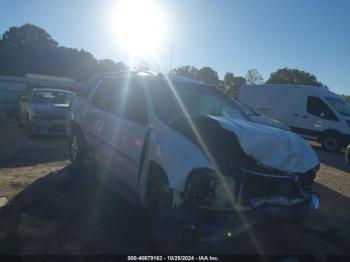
230	203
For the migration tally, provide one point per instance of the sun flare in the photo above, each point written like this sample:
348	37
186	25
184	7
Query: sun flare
139	26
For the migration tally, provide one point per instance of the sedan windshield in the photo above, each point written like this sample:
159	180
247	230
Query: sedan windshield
192	99
340	105
51	97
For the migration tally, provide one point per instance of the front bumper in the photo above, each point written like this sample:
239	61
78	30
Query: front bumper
48	126
220	226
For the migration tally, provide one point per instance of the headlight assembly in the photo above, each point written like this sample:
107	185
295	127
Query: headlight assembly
208	190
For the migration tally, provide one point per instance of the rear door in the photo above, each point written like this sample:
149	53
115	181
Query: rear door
131	113
117	127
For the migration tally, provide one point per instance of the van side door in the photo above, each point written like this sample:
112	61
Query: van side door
319	117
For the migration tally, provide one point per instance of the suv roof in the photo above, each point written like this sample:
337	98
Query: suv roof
153	76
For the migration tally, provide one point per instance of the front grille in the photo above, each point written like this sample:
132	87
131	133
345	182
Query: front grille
57	128
256	186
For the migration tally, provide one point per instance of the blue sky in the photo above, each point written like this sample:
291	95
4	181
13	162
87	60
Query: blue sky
233	35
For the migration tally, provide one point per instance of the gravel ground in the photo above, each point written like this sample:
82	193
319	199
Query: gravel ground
56	210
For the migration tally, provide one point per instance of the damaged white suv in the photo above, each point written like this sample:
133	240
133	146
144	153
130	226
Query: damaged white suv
183	150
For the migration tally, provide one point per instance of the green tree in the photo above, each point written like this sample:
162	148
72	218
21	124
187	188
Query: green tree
109	66
232	84
294	77
253	77
346	98
186	71
30	49
208	75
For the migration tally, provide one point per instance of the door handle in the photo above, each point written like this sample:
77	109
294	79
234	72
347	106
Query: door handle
304	116
295	114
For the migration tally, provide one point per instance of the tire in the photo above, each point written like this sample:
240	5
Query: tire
169	231
331	143
77	148
347	154
28	127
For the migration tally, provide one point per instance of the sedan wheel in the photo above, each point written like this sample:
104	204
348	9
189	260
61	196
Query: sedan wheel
77	148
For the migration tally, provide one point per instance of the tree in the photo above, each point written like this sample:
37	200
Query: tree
346	98
186	71
229	79
30	49
254	77
232	84
208	75
294	77
109	66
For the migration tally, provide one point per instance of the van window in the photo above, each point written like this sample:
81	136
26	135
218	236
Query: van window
317	107
340	105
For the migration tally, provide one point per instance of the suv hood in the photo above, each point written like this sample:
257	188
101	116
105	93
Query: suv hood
272	147
267	121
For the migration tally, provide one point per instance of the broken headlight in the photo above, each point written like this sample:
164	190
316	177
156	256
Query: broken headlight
208	190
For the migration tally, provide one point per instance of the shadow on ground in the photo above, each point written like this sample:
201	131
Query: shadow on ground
333	159
72	212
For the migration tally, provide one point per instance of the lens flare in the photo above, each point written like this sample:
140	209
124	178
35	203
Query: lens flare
139	26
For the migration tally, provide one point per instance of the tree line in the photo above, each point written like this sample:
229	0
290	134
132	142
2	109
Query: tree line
30	49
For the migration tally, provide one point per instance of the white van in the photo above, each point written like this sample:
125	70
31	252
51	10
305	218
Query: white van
314	113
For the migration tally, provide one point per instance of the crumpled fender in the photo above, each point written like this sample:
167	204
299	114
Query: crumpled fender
176	154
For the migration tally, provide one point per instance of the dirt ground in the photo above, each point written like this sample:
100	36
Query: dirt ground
55	209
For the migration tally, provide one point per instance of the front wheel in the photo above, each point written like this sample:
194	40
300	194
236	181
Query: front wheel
77	148
347	154
170	231
331	143
28	127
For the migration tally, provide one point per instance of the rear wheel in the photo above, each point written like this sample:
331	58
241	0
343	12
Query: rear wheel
77	148
331	143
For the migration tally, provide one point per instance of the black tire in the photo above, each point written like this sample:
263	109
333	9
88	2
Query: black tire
77	148
347	154
28	127
331	142
170	234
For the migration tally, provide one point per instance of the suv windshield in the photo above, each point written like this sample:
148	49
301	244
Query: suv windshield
340	105
196	99
51	97
246	109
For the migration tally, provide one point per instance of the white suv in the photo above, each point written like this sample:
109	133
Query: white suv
182	149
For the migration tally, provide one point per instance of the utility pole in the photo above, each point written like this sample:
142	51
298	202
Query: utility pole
171	57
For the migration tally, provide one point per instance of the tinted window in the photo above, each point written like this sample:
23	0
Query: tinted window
104	95
123	98
317	107
130	101
85	90
190	99
340	105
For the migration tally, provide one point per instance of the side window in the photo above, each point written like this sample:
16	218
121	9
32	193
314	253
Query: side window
125	99
131	102
317	107
104	96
